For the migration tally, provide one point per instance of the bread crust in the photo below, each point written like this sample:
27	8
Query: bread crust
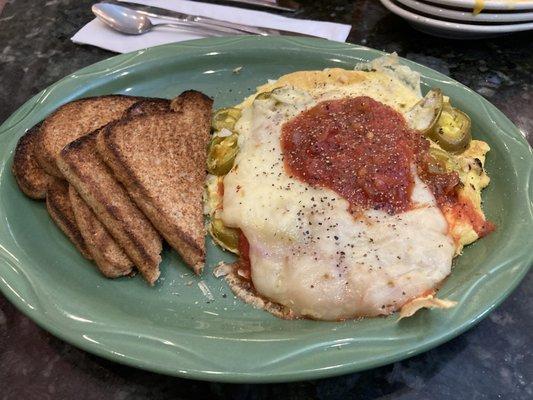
60	209
106	253
30	177
147	106
73	120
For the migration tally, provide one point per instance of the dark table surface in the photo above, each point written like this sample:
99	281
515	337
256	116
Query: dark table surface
491	361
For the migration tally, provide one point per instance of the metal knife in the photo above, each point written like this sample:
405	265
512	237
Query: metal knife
157	12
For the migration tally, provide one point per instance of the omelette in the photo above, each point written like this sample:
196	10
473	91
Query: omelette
345	193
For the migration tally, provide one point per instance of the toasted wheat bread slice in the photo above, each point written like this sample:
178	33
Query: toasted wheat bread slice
160	158
30	177
73	120
60	209
95	183
148	106
107	254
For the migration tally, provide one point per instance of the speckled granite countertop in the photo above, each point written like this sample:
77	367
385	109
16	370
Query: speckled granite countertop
494	360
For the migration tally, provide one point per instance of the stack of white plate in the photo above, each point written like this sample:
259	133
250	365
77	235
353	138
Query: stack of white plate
465	19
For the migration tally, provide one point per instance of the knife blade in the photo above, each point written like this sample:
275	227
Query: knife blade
289	6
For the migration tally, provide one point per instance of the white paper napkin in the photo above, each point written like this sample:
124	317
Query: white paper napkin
97	34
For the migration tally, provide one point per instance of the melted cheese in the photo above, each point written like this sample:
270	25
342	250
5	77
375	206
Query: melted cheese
335	83
385	80
313	256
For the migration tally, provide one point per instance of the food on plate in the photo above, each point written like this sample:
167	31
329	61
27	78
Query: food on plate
156	148
423	116
160	158
73	120
62	123
60	209
148	106
429	301
225	118
80	163
223	148
345	193
452	131
30	177
106	253
479	5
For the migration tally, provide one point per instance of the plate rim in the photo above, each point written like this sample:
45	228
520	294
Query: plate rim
454	26
465	16
488	4
24	113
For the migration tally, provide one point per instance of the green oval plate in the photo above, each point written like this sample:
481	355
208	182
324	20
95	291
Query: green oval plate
174	328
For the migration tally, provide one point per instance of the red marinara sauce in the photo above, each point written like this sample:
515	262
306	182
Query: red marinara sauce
464	210
363	150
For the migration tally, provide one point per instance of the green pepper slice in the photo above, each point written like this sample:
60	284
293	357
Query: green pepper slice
221	154
452	132
228	237
268	95
439	161
424	115
263	96
225	118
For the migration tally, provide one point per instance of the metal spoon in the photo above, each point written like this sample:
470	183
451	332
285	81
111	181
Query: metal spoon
133	22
